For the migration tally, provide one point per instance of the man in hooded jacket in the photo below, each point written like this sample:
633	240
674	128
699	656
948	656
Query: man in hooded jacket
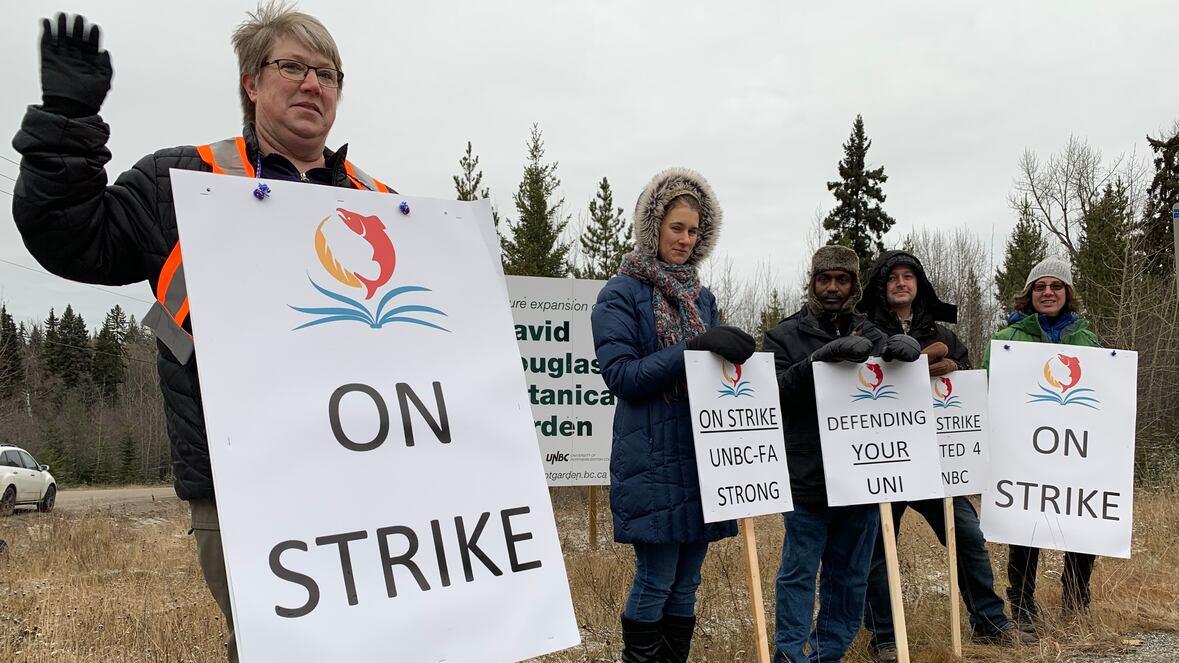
827	328
899	299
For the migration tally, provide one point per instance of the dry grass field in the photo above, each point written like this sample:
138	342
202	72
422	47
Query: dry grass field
120	583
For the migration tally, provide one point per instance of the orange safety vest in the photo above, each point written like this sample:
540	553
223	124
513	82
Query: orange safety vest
169	312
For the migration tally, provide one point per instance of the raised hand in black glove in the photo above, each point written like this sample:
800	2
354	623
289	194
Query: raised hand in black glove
846	348
75	74
901	348
729	342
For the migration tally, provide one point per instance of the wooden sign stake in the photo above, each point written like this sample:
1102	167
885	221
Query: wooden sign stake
761	640
952	557
888	534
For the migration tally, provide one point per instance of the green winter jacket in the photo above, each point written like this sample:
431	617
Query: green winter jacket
1028	329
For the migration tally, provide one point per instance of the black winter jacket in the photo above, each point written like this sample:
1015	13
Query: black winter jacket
792	342
928	309
79	228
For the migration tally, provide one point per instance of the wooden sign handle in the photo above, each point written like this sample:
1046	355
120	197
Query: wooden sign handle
952	558
889	535
760	638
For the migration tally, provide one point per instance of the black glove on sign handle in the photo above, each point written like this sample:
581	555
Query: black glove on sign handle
75	72
732	343
902	348
845	348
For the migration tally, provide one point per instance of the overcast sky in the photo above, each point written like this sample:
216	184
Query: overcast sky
758	96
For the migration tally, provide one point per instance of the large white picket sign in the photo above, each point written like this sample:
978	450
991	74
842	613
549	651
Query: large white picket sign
737	426
1062	447
960	415
877	432
571	406
380	490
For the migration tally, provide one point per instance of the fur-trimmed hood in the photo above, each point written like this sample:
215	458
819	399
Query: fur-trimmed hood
652	205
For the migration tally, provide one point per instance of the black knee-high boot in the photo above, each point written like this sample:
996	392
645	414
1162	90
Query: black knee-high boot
642	642
677	638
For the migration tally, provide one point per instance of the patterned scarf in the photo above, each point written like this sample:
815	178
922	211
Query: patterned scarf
674	292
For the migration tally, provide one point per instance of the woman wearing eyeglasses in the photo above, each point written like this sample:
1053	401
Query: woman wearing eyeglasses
1046	311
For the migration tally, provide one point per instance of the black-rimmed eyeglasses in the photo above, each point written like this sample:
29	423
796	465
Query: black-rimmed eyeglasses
293	70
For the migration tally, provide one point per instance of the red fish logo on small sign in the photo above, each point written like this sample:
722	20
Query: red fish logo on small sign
943	394
731	382
872	386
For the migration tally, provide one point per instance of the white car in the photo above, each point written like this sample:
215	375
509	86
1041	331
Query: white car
24	481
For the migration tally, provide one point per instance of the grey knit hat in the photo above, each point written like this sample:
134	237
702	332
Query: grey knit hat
1054	267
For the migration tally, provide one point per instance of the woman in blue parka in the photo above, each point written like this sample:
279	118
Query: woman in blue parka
644	319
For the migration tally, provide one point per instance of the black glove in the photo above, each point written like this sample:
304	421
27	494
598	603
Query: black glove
901	348
75	74
729	342
846	348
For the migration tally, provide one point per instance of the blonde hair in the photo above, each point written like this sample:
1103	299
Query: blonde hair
271	21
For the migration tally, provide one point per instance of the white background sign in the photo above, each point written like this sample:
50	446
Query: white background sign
1062	447
571	406
360	522
877	431
960	416
737	426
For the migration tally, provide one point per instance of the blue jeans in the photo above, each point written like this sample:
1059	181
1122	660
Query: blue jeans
666	578
976	581
842	538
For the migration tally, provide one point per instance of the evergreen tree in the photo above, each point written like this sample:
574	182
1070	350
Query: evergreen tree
605	240
1025	247
73	351
136	333
128	458
106	465
55	455
1162	195
50	347
1100	261
535	247
12	369
771	315
467	183
110	363
858	221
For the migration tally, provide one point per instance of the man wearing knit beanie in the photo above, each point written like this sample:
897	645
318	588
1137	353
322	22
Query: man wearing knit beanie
841	539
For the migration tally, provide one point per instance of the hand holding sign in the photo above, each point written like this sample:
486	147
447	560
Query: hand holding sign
847	348
731	343
901	347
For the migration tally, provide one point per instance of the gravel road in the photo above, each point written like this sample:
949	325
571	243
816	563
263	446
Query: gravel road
1156	647
79	500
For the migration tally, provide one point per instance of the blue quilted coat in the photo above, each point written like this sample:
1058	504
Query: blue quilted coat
654	492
